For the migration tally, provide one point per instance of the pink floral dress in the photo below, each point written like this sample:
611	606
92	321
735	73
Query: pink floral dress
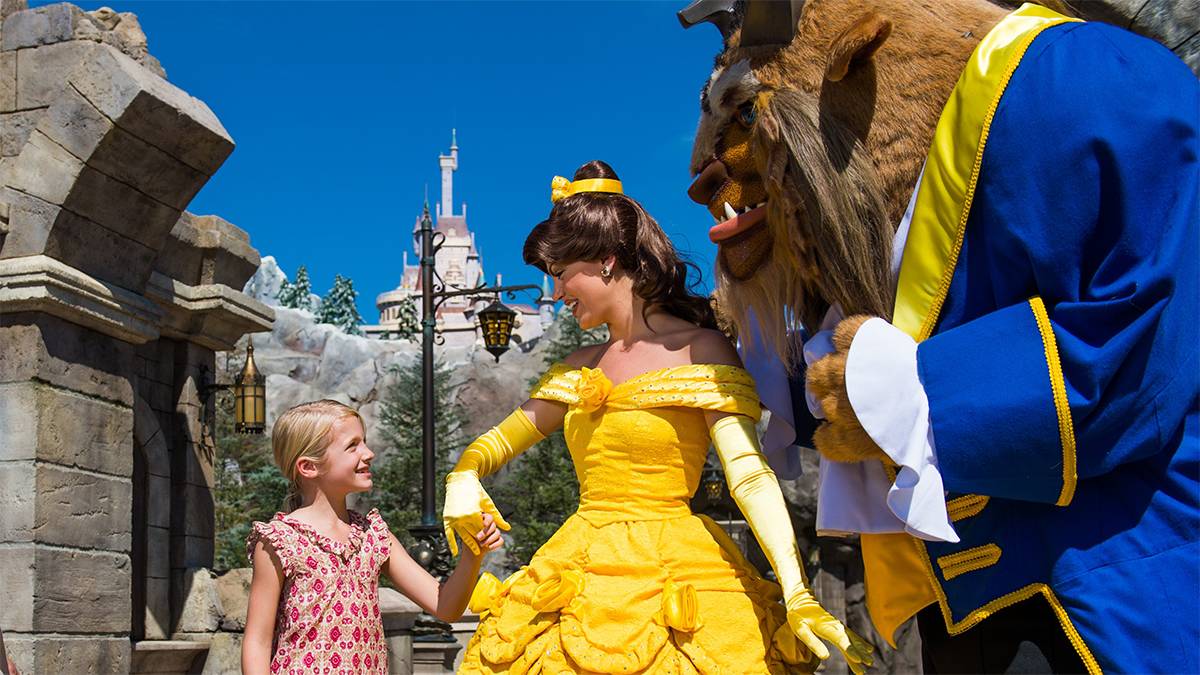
328	620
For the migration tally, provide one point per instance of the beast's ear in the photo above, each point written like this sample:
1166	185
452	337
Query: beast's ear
856	44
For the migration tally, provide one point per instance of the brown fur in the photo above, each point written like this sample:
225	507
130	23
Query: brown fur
841	437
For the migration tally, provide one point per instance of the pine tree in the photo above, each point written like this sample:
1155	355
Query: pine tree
397	484
409	321
297	294
542	491
338	307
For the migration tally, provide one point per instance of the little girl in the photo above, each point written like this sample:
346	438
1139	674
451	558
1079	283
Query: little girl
314	596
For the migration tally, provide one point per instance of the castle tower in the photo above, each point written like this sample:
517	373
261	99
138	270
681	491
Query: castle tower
459	264
449	164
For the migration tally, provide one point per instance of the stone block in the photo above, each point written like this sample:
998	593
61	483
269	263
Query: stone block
161	657
199	469
53	425
8	82
42	26
20	647
201	609
17	579
45	170
43	347
158	501
84	509
119	207
15	128
39	227
17	501
207	250
100	252
41	73
75	124
234	589
190	551
96	600
153	109
224	655
93	655
152	171
158	608
160	397
198	511
158	552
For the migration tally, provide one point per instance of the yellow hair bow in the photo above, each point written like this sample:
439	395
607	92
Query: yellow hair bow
561	188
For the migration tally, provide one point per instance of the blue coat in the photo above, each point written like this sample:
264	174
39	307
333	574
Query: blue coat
1059	350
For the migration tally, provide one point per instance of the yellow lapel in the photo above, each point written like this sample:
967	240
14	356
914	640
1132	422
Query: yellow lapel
952	168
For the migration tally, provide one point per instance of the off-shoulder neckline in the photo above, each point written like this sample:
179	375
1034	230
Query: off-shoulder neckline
656	371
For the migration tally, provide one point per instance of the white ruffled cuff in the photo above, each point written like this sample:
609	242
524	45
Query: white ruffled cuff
890	403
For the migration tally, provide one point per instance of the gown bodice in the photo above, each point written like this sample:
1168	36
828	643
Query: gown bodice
639	447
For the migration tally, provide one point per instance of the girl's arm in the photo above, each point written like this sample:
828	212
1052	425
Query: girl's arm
265	587
446	601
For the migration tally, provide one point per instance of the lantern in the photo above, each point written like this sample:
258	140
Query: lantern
496	320
250	398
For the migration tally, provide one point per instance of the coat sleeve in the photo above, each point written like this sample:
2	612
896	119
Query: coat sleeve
1087	208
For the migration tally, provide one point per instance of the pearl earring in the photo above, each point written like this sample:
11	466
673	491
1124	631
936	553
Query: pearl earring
605	272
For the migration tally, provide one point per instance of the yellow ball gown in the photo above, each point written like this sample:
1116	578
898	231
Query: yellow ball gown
633	581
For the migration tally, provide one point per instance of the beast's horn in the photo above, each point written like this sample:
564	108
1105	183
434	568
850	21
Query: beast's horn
717	12
770	22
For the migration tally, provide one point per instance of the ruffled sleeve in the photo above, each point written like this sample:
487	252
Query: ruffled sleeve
707	386
560	383
378	542
279	537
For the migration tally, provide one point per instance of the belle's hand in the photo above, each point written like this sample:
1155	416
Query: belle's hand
812	624
462	514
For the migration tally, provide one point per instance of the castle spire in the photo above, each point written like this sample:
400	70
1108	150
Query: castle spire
449	164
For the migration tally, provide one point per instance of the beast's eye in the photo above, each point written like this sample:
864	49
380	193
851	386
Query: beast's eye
746	115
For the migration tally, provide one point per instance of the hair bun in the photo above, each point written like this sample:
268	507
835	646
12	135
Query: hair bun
595	169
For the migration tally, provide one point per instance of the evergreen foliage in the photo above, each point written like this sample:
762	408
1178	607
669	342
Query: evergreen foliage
338	307
409	321
297	294
397	476
247	484
541	491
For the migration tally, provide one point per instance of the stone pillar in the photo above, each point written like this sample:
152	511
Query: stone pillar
112	301
66	420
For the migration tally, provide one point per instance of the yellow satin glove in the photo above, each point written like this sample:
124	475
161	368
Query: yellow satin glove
466	500
756	491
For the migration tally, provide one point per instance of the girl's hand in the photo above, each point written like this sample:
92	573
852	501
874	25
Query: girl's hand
489	536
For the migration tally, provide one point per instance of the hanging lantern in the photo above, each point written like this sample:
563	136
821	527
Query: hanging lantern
250	398
496	320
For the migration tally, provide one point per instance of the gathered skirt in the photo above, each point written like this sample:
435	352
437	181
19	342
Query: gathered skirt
646	596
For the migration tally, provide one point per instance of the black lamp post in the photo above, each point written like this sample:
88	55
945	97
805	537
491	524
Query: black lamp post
431	550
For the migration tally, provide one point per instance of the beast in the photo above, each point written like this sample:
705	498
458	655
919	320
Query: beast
1004	204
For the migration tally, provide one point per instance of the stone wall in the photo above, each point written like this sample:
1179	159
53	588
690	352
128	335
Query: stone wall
113	299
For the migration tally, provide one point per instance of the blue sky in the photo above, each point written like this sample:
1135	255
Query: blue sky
340	109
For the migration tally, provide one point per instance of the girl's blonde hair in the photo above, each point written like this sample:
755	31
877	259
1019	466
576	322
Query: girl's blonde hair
303	432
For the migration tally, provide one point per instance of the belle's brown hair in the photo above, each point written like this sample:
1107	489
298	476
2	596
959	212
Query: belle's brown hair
595	225
303	432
